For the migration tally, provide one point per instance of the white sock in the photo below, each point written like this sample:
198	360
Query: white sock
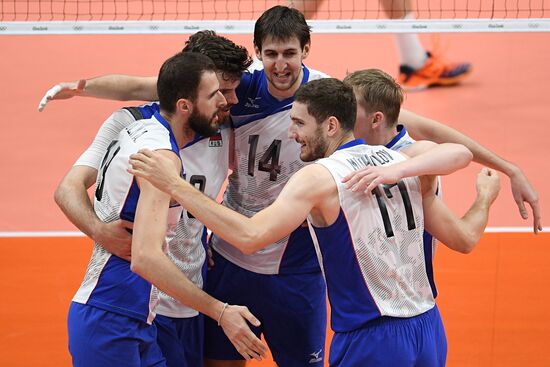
411	52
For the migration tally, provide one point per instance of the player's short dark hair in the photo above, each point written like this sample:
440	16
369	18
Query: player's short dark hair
180	77
329	97
378	91
281	23
230	59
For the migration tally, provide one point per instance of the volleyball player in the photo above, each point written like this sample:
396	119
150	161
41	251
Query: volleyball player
369	245
110	319
180	328
379	100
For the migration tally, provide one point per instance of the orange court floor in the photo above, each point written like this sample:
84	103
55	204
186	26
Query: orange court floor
493	301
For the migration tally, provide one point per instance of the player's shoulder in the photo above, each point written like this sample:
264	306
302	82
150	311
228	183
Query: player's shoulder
312	74
150	132
401	140
250	80
312	174
135	113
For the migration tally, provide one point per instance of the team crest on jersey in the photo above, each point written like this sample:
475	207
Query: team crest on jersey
215	141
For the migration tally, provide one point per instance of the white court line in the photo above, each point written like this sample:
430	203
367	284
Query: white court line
80	234
42	234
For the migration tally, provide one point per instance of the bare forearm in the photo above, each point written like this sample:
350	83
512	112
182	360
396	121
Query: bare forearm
442	159
148	258
475	220
159	270
235	228
121	87
72	198
422	128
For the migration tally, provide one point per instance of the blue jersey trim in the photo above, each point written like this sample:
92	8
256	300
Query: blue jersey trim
428	259
165	123
128	211
352	305
397	137
120	290
352	143
148	110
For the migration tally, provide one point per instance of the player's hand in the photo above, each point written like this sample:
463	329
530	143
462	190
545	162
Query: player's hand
522	192
488	185
155	168
366	179
233	323
115	238
62	91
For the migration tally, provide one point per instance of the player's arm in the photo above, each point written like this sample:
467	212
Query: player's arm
427	158
423	128
113	86
72	197
151	263
287	213
459	234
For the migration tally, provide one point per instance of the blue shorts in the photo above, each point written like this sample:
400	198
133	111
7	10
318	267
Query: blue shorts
418	341
291	307
103	338
181	340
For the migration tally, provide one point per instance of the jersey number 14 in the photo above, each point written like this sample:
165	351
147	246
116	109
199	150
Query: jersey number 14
269	161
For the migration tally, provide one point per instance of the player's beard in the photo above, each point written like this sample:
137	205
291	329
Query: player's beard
317	147
203	125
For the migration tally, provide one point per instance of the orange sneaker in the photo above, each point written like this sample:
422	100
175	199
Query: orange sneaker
434	72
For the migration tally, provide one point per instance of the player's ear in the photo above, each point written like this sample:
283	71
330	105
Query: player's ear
378	119
305	51
258	53
333	126
184	105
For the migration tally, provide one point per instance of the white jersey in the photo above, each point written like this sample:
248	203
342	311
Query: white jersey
264	161
109	283
205	161
373	255
399	142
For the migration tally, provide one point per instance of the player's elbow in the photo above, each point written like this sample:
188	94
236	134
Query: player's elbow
140	262
466	243
463	155
57	195
252	241
466	248
60	194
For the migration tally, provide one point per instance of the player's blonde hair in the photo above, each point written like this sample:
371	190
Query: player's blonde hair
377	91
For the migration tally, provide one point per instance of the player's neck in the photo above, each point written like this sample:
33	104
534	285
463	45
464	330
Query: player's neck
181	130
337	143
381	136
